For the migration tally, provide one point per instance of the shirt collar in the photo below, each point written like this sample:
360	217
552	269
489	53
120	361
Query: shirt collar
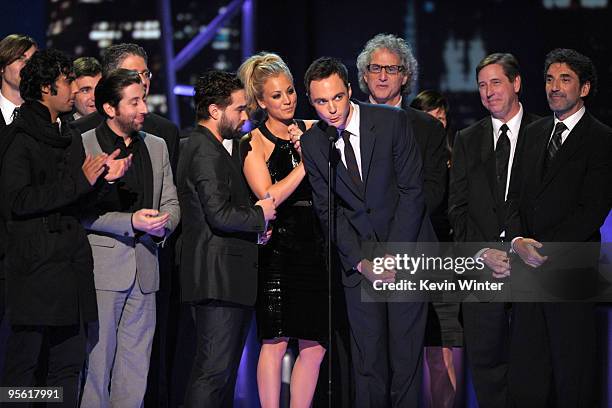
397	105
7	107
514	124
572	120
353	126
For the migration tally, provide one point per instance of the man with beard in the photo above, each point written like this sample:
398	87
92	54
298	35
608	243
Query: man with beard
50	285
125	228
134	57
219	252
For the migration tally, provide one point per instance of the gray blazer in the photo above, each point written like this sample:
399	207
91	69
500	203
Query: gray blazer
117	252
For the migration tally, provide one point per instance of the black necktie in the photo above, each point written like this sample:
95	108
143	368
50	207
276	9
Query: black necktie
502	155
351	160
15	113
554	144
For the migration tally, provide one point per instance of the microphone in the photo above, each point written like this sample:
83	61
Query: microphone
332	133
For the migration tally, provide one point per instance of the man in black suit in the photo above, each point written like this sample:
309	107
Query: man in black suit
134	57
485	159
564	197
379	196
386	71
220	227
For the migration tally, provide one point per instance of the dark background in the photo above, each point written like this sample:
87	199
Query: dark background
448	38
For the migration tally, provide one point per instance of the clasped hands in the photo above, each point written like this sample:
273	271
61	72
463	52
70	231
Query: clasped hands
525	248
94	167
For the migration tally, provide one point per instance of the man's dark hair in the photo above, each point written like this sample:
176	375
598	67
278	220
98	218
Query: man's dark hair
110	88
113	56
507	61
580	64
14	46
43	69
429	100
325	67
86	66
214	87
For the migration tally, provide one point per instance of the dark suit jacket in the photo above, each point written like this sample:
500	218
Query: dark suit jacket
431	138
219	251
153	124
392	208
473	208
570	201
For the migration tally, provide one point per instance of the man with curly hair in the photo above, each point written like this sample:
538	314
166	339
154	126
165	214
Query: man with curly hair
49	267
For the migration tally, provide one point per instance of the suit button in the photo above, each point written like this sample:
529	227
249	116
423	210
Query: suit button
369	236
369	211
255	264
494	209
126	234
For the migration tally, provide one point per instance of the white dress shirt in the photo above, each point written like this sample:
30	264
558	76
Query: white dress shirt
570	122
228	144
514	126
353	128
7	107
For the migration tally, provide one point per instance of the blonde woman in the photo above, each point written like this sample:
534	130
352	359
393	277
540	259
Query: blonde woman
292	285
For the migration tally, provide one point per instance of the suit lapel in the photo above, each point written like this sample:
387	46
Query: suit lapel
233	164
367	140
487	155
568	148
150	182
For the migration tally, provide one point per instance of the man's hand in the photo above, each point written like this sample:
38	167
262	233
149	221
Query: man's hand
150	221
93	167
264	237
498	261
526	249
268	207
365	267
116	168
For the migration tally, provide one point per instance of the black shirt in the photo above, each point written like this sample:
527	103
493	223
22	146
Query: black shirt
127	194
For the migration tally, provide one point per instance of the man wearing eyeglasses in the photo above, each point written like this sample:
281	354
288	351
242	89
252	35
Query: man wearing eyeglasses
387	70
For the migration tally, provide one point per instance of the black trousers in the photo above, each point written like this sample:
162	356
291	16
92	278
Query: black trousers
386	350
221	332
65	348
553	355
486	332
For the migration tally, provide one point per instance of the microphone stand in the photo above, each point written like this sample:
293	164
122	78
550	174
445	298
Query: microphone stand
331	136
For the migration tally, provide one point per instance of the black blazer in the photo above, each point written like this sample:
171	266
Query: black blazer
220	225
431	138
570	201
473	207
153	124
392	208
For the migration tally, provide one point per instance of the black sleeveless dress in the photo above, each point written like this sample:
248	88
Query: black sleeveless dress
292	289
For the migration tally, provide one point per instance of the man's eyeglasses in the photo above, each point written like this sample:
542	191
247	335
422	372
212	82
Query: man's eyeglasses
389	69
145	74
